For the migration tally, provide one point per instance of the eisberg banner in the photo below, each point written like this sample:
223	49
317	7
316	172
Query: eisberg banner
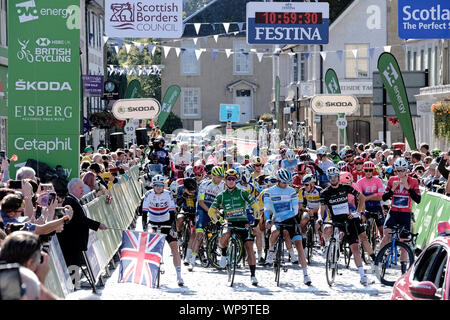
144	19
44	82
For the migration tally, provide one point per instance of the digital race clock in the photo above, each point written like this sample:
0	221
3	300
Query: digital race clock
288	17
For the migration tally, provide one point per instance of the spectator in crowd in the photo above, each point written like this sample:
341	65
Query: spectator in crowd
425	148
88	151
427	161
26	173
97	170
89	181
444	171
416	157
75	236
24	248
97	158
311	144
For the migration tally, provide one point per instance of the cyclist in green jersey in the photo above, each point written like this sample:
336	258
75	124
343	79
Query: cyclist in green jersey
234	203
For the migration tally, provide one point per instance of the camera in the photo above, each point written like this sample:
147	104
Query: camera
12	227
15	184
59	212
11	287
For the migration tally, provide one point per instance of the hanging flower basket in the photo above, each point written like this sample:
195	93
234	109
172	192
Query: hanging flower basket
441	112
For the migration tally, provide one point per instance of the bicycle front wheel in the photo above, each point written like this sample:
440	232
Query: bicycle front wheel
278	258
310	242
232	261
331	263
388	262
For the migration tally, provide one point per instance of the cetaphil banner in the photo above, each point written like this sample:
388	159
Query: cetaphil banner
44	82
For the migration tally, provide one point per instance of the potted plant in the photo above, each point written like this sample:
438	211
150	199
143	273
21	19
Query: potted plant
441	111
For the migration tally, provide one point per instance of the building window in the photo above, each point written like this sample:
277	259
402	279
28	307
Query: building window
242	59
435	66
408	61
422	60
415	61
357	67
294	68
429	60
189	63
3	23
190	103
366	110
303	67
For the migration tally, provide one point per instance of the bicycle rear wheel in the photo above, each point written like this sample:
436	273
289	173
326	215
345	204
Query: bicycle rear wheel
331	263
232	261
388	262
347	253
204	261
372	235
213	252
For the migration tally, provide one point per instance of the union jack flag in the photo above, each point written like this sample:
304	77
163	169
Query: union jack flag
140	257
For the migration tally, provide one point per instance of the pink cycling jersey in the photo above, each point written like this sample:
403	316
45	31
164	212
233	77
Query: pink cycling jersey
401	200
372	186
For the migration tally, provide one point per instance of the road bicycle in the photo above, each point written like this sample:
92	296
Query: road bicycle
310	239
213	251
279	261
333	250
387	262
157	229
371	228
233	250
188	227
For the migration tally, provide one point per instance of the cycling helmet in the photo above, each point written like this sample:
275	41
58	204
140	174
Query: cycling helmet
290	155
231	173
305	157
321	151
345	177
342	153
240	169
189	172
309	178
341	165
359	160
365	156
401	163
174	188
270	180
208	168
346	169
283	151
158	179
284	175
218	172
301	151
301	167
199	169
225	166
268	169
435	152
389	170
369	165
190	184
246	177
153	156
257	160
349	152
332	172
250	167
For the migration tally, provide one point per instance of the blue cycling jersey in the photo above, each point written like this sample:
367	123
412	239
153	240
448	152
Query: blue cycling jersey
283	203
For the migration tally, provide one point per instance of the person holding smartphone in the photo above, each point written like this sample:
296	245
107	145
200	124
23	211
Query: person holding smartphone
444	171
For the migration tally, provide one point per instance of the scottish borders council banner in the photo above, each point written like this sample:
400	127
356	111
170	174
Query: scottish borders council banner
395	87
44	82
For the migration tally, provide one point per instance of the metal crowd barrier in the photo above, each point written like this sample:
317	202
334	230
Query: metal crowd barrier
117	210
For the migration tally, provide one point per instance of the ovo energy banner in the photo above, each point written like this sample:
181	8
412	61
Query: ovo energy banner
395	88
169	100
44	82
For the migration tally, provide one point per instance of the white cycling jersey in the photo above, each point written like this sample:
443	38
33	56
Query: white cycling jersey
158	206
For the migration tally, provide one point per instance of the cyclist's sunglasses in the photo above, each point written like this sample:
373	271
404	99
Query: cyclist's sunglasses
257	165
306	184
401	170
231	179
357	163
199	175
368	170
158	185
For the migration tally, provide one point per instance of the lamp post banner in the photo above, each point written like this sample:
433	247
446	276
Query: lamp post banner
395	89
44	82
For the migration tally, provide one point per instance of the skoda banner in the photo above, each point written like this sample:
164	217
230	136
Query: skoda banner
169	100
44	82
395	89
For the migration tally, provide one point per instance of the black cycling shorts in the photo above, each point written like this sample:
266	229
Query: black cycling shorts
378	216
354	229
401	218
243	234
167	231
293	229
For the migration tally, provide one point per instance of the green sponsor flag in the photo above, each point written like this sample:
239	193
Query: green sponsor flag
333	87
44	82
170	98
133	89
395	87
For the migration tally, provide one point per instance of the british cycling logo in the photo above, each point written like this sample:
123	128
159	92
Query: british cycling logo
27	11
123	13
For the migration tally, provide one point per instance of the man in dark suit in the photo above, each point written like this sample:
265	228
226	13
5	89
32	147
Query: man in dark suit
311	144
74	238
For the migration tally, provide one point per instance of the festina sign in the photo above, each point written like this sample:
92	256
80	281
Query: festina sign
288	22
136	109
144	19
